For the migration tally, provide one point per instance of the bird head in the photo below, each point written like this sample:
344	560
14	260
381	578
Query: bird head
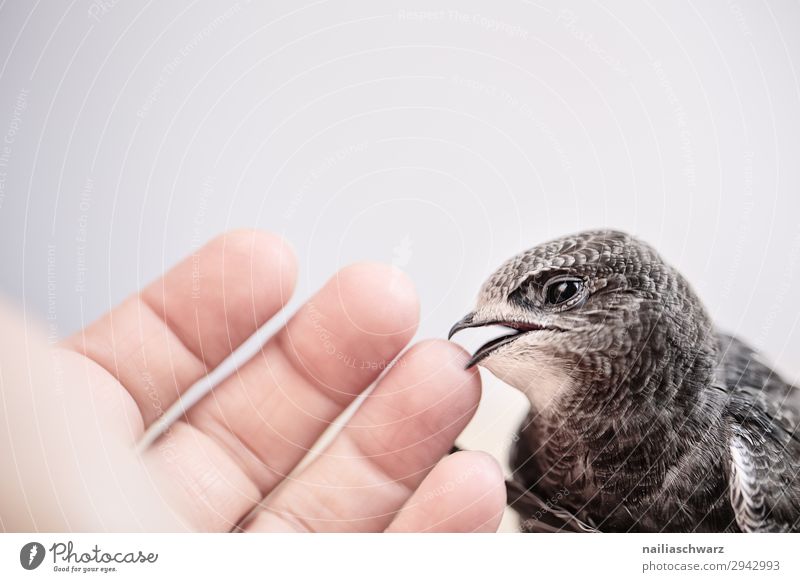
592	311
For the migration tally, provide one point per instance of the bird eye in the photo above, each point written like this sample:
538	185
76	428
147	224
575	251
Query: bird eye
560	291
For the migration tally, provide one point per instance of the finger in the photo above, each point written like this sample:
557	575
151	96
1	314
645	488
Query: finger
401	431
255	427
465	492
161	341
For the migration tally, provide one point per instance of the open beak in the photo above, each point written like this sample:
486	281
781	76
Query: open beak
516	330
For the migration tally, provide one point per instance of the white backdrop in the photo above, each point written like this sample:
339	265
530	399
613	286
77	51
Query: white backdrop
441	136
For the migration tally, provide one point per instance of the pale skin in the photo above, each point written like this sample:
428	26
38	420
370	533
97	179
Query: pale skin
72	414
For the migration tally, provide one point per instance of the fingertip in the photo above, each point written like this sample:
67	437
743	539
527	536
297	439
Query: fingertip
429	384
465	492
447	361
379	299
266	257
488	482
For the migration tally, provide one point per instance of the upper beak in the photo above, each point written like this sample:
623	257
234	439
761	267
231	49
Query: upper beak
465	322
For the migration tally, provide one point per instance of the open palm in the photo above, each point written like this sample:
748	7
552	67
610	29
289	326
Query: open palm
230	463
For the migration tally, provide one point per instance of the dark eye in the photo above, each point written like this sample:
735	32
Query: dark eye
562	290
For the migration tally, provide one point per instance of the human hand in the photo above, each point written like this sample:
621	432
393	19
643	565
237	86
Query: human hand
72	416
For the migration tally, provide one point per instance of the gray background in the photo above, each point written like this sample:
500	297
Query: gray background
439	136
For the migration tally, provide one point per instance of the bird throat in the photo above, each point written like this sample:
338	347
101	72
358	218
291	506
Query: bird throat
539	377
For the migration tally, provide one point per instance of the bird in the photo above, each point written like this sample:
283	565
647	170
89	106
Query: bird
644	417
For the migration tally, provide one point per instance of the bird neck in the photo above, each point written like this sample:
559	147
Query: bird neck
632	419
